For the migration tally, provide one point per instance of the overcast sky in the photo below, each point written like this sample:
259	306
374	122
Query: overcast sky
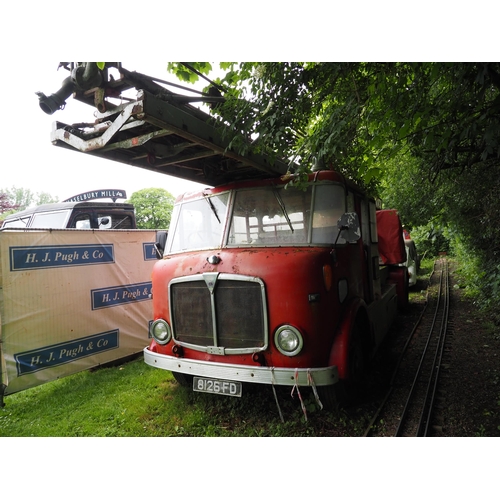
31	161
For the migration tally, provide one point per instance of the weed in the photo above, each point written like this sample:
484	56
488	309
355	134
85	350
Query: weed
481	432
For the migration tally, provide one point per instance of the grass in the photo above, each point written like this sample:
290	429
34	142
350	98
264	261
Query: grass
135	399
129	400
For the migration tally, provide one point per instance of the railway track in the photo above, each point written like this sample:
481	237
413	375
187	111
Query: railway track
409	407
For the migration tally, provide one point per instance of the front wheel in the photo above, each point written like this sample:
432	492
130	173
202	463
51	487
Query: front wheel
356	365
183	379
332	397
348	390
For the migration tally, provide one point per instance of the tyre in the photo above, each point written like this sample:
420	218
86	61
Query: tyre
356	366
348	391
183	379
332	397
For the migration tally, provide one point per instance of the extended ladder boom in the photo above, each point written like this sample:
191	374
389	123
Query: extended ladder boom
161	133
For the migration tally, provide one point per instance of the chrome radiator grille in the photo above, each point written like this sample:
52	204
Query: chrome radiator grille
220	313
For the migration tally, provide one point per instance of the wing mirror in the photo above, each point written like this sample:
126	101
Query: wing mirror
161	241
348	226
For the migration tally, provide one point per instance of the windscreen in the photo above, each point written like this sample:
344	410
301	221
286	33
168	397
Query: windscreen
262	216
329	205
114	220
198	224
104	220
270	216
278	216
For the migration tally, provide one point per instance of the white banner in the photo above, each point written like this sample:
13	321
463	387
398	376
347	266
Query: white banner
71	300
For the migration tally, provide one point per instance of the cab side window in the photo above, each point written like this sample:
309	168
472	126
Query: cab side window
50	219
114	221
82	221
16	223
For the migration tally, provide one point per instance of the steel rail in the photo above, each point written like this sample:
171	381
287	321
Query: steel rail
400	359
394	375
437	365
430	395
409	399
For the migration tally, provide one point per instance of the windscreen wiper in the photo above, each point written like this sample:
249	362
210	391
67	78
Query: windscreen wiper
214	210
283	208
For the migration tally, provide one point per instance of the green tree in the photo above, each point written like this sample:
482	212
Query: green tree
22	198
6	204
189	72
153	208
356	115
45	198
424	136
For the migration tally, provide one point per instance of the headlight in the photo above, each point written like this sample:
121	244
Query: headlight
160	331
288	340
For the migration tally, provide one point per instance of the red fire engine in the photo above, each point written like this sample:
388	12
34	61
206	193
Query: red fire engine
259	282
262	284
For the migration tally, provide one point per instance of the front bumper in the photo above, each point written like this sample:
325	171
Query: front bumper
243	373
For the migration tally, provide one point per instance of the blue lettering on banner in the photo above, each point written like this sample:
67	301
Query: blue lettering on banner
65	352
43	257
118	295
149	251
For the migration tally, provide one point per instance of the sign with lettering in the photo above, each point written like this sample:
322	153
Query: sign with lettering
118	295
42	257
55	298
114	194
149	251
58	354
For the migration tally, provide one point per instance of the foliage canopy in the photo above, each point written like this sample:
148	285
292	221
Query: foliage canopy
356	116
423	136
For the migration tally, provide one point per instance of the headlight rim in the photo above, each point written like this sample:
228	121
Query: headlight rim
297	333
168	338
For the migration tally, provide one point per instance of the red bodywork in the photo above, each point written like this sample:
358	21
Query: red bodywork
291	275
322	290
390	243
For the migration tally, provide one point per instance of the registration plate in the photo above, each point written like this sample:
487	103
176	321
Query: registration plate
215	386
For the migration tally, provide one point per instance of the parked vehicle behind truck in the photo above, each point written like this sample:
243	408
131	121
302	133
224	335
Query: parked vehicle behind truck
77	214
412	261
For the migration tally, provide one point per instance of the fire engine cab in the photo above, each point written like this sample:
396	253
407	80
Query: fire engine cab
265	284
259	282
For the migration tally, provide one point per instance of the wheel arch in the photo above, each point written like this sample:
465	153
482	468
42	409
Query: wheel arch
399	276
355	316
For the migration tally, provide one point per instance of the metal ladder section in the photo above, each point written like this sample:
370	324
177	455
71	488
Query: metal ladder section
156	133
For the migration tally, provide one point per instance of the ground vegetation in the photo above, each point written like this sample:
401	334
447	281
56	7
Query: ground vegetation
135	399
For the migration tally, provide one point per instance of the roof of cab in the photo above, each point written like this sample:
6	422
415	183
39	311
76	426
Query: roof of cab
50	207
